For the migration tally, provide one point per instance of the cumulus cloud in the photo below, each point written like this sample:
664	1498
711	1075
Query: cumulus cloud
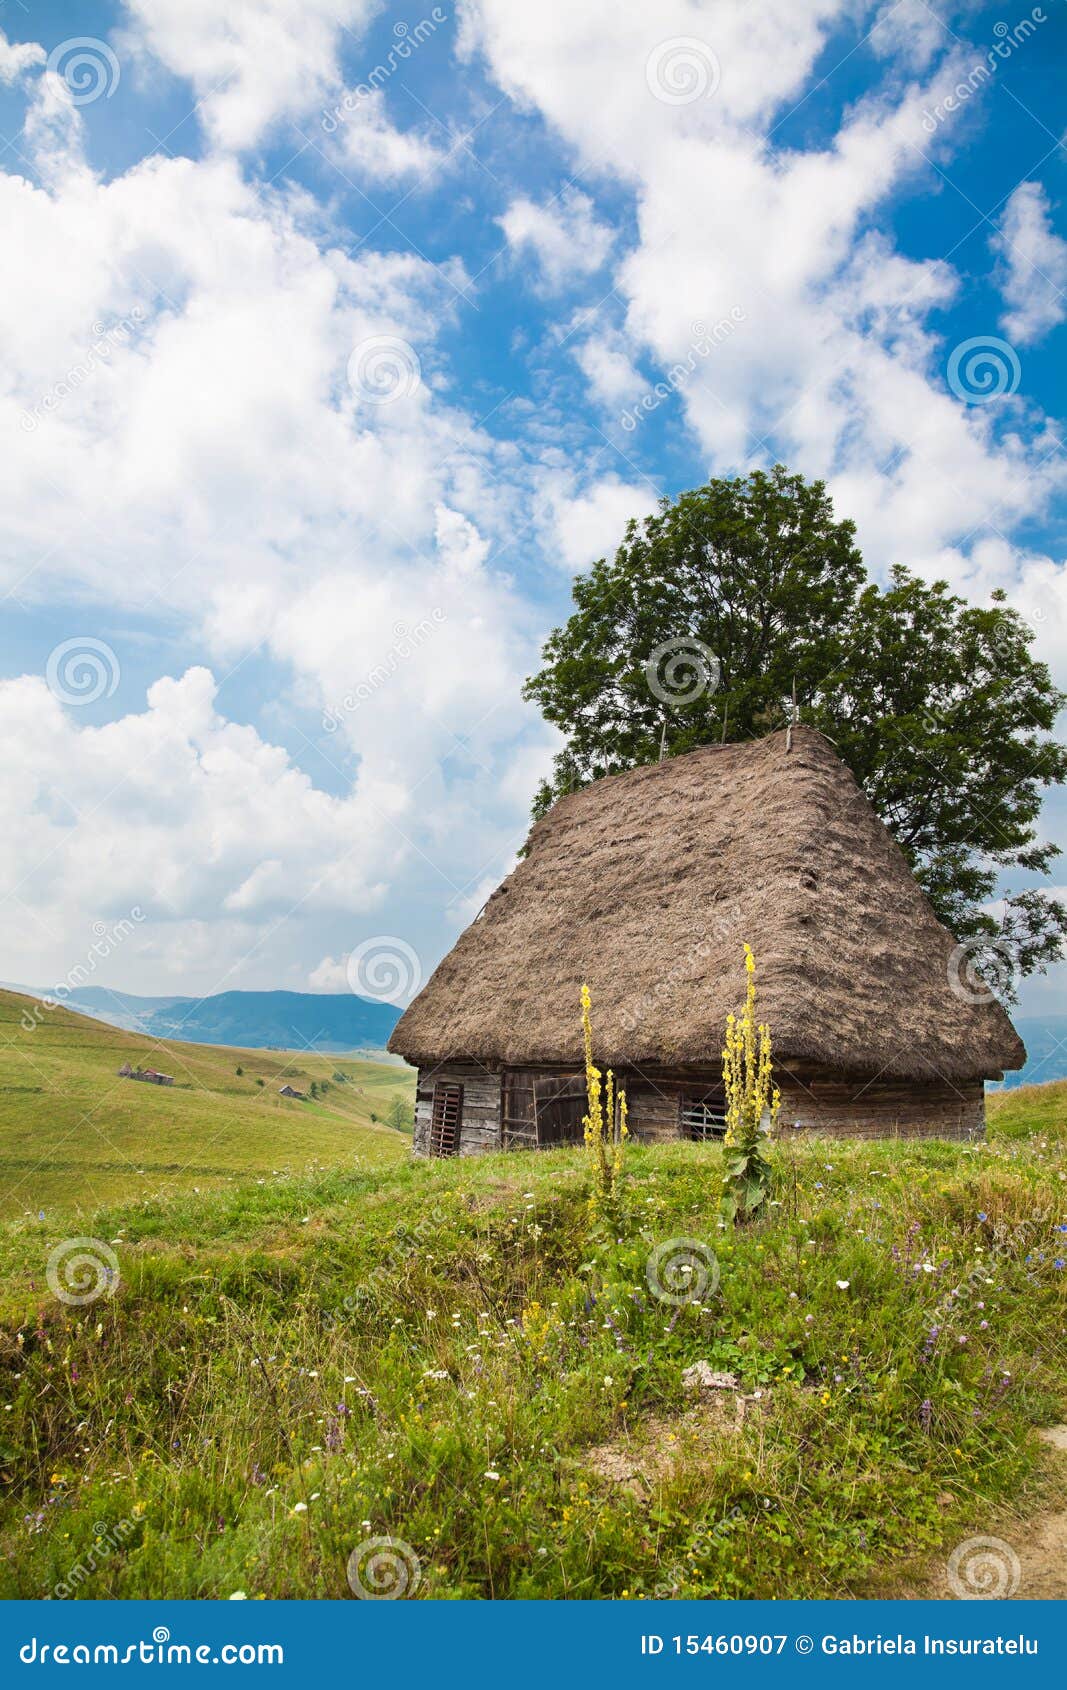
1034	258
834	365
563	238
369	143
17	57
250	63
180	814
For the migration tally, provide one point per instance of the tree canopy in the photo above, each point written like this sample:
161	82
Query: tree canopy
717	606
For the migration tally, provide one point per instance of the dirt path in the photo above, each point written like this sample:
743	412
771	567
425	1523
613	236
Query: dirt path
1026	1559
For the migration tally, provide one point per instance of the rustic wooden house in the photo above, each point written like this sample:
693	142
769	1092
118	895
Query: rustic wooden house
291	1091
645	885
151	1076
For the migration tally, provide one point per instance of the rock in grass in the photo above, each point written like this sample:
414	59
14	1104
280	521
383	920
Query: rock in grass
703	1377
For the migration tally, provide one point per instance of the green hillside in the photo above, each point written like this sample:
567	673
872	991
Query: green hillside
443	1354
72	1133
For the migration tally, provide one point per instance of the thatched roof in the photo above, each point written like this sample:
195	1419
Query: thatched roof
645	885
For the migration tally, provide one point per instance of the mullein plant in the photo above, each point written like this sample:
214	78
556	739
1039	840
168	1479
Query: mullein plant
752	1107
604	1126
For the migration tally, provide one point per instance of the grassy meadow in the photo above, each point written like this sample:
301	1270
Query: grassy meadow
444	1355
75	1135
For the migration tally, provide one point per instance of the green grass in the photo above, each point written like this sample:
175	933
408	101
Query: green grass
288	1369
75	1135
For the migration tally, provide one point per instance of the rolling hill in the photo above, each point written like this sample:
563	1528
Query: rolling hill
448	1360
72	1132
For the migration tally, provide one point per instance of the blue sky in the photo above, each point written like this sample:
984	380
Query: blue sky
236	231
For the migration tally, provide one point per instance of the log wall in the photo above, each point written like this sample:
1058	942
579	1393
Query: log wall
858	1108
499	1109
480	1125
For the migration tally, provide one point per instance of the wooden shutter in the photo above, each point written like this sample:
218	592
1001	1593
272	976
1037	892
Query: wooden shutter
446	1118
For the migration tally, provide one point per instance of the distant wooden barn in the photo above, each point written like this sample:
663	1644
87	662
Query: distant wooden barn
644	885
151	1076
291	1091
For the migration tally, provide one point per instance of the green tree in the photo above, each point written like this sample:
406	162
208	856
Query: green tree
716	607
756	571
400	1115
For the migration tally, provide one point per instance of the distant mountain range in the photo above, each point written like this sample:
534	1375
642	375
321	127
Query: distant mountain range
327	1021
338	1021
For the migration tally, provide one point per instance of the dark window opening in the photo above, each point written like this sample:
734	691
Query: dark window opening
703	1118
446	1118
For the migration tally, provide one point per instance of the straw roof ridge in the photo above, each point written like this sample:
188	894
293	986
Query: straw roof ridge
645	885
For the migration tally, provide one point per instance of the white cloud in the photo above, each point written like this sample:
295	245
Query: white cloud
1034	281
182	439
251	63
582	526
605	359
17	57
369	143
179	813
834	366
564	238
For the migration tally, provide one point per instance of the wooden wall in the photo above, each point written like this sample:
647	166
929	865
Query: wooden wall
498	1109
480	1128
887	1109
